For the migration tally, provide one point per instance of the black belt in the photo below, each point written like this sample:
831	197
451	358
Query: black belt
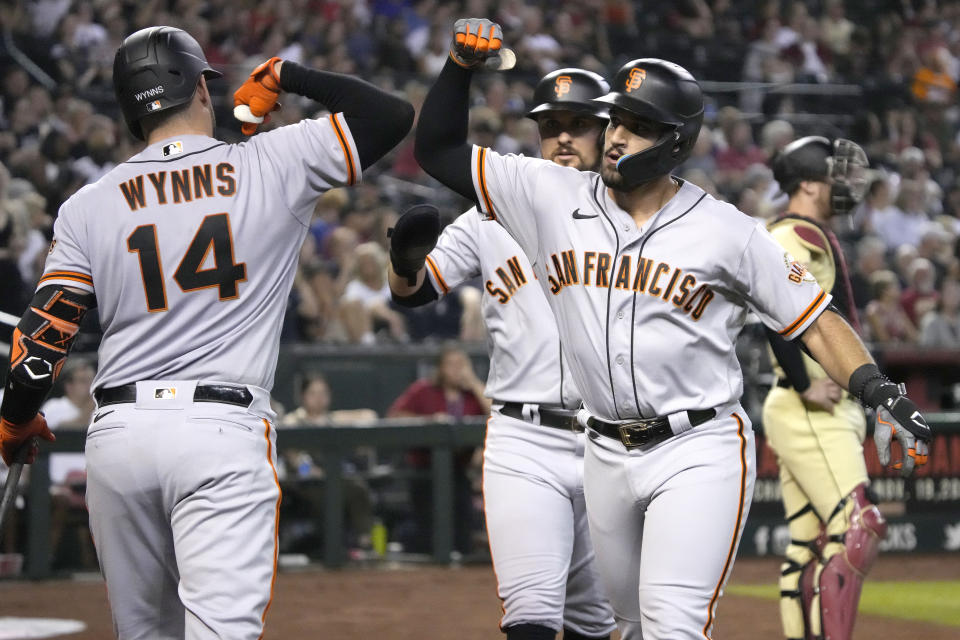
783	383
227	394
646	431
548	418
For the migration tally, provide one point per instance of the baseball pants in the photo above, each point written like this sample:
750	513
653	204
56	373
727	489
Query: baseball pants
184	501
537	528
666	523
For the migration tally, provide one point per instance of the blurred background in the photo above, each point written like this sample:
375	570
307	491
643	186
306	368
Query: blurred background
368	471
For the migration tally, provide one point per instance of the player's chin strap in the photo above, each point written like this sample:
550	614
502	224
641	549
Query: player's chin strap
642	167
40	345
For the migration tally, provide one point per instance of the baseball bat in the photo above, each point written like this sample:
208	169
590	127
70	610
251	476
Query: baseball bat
13	480
506	59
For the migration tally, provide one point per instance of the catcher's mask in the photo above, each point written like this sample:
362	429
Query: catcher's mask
841	163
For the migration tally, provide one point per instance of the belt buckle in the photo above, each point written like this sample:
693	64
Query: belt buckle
634	435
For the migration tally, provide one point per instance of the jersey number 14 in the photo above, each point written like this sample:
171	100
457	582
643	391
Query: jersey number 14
214	233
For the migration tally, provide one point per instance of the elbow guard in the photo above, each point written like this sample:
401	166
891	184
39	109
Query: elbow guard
41	342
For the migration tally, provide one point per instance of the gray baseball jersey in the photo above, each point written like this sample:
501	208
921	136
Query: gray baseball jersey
191	248
648	322
526	364
648	317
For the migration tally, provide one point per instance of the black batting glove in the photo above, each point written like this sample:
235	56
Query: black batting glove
412	239
899	417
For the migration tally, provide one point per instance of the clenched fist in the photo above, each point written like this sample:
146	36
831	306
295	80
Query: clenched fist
257	97
476	41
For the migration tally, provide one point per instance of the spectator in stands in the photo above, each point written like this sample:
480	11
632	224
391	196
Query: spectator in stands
907	221
454	391
886	319
871	255
365	305
315	411
940	327
921	294
740	153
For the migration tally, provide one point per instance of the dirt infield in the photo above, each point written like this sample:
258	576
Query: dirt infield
432	603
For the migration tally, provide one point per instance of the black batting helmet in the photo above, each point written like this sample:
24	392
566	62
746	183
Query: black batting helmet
157	68
840	163
665	93
569	90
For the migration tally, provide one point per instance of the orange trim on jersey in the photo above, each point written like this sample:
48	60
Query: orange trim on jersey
711	608
436	274
351	171
483	496
482	181
67	275
806	314
276	523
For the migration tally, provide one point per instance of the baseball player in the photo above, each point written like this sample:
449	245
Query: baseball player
533	459
188	250
650	280
815	428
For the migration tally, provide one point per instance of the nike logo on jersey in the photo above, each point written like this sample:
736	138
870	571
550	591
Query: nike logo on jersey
656	279
579	216
103	415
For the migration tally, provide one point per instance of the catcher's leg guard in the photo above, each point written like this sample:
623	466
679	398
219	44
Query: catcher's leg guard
847	559
797	571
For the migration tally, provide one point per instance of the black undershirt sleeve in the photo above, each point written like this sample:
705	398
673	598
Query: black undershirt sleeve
790	357
378	120
441	145
424	295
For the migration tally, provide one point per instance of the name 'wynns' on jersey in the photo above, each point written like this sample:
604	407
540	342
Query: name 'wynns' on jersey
193	245
648	327
598	268
180	185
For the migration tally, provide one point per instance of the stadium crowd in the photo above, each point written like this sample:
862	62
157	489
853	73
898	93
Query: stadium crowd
883	73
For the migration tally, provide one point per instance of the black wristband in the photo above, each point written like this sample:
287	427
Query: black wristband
870	386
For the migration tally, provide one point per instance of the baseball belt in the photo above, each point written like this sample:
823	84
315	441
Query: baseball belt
646	431
548	417
227	394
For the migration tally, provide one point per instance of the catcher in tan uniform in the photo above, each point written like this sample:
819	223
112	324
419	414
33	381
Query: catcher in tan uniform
814	426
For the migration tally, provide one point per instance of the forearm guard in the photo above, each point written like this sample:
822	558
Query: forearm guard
40	345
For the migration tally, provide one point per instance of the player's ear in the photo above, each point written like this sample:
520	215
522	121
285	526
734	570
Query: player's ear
203	93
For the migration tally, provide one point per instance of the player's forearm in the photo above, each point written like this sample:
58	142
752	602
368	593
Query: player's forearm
836	346
441	145
41	342
378	121
411	296
399	285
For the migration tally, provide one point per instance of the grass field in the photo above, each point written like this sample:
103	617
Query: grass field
936	601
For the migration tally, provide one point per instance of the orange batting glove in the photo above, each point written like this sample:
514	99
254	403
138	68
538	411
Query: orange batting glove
14	436
257	97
